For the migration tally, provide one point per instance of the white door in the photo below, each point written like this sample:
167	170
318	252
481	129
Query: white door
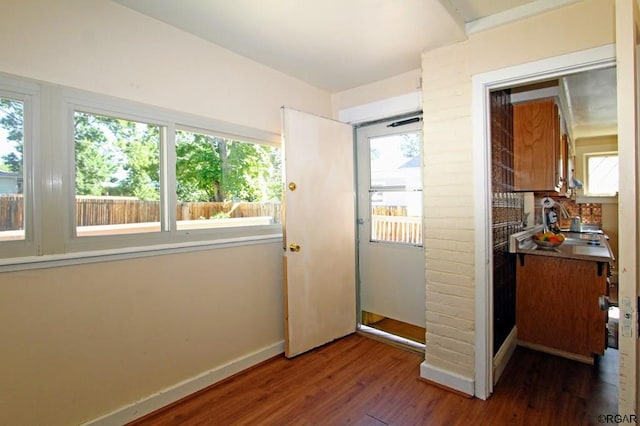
391	254
319	231
628	86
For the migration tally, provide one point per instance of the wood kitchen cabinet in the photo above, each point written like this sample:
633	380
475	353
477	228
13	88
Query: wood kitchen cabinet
557	309
538	162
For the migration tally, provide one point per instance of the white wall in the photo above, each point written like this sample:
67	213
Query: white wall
81	341
101	46
401	84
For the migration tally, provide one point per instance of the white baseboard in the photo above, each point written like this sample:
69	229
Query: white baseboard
447	379
501	359
180	390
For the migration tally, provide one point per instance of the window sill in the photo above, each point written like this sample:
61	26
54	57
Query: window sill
77	258
600	199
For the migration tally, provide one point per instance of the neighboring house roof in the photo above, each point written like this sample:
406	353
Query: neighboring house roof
9	174
414	162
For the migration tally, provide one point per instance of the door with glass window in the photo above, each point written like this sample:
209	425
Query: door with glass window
390	240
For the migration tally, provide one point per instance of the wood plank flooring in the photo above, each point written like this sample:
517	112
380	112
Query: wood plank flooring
360	381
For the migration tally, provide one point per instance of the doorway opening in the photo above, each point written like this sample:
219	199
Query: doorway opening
578	64
391	275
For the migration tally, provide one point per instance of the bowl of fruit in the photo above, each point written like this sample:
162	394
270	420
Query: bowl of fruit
548	240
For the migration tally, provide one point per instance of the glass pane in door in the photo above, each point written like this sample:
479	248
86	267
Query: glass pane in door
395	194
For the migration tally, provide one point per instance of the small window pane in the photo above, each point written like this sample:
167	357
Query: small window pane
396	217
602	174
117	175
396	188
395	161
222	182
12	223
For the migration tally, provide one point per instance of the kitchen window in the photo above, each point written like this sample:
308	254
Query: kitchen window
602	174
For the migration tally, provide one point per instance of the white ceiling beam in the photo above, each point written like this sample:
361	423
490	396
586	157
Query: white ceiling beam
511	15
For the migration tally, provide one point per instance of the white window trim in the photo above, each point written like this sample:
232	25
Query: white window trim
29	94
51	167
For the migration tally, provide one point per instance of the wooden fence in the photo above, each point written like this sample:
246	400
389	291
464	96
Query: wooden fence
391	224
93	211
397	229
11	212
388	223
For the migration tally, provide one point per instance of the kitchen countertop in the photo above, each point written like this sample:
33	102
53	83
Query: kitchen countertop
578	251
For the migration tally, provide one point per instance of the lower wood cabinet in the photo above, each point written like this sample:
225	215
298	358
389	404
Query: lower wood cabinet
557	308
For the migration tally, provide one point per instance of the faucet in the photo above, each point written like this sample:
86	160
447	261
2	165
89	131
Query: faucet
547	203
565	213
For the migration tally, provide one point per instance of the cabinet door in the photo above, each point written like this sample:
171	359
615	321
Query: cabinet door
536	145
557	305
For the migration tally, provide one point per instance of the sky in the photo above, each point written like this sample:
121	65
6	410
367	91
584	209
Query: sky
5	147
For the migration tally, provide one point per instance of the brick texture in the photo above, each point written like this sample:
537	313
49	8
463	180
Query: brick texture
448	209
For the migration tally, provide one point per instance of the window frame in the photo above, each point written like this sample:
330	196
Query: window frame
29	94
52	234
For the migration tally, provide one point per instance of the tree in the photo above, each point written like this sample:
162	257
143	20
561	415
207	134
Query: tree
410	145
115	156
198	167
216	169
254	173
95	163
140	147
12	120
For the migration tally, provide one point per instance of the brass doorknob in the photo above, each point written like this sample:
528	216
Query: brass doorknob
292	186
294	247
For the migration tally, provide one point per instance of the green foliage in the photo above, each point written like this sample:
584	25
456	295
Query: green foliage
12	120
121	157
95	161
215	169
251	174
116	157
140	145
198	167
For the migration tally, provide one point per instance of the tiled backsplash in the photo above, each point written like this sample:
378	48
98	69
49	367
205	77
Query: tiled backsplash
590	213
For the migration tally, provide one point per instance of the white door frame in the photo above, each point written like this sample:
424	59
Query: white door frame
595	58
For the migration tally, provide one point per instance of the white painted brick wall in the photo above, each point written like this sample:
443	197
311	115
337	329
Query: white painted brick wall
448	209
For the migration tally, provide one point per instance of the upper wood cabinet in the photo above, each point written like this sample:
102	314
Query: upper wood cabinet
537	148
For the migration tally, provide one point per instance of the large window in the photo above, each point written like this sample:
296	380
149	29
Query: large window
222	182
117	164
82	173
602	173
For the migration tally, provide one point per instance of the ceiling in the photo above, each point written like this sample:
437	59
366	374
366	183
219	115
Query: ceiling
337	45
331	44
592	103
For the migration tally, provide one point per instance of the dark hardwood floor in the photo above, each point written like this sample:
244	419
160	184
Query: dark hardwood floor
360	381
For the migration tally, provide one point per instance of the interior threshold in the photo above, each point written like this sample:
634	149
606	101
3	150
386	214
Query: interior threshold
391	339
